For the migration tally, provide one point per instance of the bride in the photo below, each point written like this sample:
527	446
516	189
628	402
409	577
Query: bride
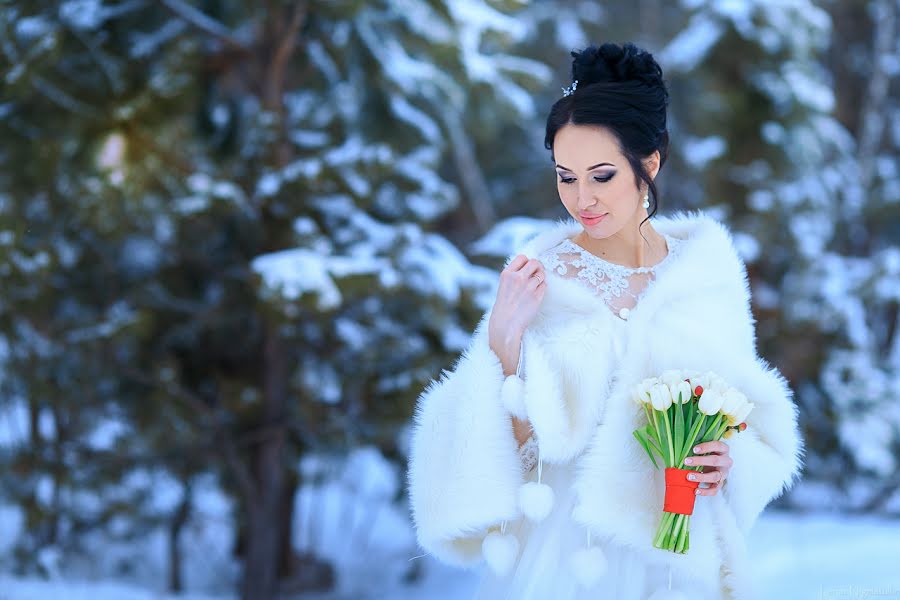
523	454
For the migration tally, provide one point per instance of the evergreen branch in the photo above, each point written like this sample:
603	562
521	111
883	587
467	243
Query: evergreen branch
169	156
64	100
227	445
204	23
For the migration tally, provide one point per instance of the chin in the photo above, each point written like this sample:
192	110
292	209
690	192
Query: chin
601	230
594	233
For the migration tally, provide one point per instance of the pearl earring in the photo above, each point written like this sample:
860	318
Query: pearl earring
647	200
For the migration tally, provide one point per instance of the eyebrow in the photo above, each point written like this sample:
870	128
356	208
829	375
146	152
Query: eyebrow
558	166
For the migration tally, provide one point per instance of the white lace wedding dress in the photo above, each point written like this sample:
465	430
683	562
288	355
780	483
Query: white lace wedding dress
542	569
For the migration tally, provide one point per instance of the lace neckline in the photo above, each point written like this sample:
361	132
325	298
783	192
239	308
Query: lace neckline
571	245
620	287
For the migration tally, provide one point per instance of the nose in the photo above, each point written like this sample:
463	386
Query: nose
585	198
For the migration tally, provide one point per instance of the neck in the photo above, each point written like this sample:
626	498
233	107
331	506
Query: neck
633	246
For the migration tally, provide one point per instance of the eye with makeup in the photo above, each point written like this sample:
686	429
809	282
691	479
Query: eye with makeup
597	179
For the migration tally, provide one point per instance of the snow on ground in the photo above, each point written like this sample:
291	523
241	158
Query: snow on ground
798	557
13	588
827	556
819	556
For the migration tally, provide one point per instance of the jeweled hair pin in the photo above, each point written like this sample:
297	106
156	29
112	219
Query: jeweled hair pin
567	91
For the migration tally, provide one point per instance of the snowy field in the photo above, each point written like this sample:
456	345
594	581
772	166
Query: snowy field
815	557
812	557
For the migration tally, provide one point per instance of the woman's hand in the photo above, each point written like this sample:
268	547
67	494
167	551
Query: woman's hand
716	465
519	295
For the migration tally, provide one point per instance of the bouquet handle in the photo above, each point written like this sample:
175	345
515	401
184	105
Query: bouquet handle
680	491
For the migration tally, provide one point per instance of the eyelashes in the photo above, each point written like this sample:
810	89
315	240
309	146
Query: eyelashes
597	179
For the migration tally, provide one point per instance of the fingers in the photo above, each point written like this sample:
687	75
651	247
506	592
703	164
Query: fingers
516	263
522	267
715	455
716	447
712	490
531	267
710	460
707	476
528	272
536	281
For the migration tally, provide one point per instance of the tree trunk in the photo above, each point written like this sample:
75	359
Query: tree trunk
265	529
470	175
176	585
286	552
261	561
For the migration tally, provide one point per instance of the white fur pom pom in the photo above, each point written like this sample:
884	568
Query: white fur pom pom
511	394
666	594
535	500
589	565
500	551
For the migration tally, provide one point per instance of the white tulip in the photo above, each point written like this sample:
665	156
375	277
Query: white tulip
684	388
667	395
743	411
640	393
656	398
660	397
672	377
733	401
700	379
675	389
636	393
648	383
688	373
711	401
717	382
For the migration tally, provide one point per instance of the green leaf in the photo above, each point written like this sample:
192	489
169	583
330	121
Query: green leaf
650	436
661	431
666	434
710	430
679	430
689	421
645	445
695	432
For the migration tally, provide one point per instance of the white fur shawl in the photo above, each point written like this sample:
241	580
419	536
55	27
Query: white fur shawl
464	470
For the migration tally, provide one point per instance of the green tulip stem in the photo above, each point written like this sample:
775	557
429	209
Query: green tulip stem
669	440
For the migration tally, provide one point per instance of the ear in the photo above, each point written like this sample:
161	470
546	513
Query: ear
651	163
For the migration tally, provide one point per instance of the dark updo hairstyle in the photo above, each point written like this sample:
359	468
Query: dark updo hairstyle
620	88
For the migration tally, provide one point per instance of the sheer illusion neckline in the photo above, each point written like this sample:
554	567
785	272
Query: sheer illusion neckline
572	245
620	287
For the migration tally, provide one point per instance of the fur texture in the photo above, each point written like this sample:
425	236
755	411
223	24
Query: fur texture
464	471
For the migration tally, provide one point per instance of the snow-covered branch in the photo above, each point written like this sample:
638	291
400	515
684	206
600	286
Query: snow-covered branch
204	23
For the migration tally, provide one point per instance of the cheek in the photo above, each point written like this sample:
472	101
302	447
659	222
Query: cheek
619	194
567	193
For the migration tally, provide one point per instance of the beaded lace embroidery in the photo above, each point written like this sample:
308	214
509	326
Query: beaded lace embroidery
619	286
528	454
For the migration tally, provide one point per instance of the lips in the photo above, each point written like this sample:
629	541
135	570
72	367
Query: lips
592	219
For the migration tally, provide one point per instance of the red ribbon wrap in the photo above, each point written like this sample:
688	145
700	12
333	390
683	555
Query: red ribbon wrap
680	491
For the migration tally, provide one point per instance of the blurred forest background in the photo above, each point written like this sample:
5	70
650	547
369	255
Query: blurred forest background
237	239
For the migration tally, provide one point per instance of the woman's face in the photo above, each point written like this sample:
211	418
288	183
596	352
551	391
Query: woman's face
594	178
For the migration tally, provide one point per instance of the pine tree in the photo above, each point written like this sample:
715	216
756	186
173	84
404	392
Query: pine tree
770	152
220	241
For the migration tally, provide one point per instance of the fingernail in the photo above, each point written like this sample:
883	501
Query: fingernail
688	461
697	492
696	448
692	477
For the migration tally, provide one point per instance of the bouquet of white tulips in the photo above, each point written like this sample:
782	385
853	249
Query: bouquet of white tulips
684	408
